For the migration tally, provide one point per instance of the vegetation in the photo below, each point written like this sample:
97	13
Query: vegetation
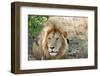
35	24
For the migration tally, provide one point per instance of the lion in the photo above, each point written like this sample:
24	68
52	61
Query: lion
52	43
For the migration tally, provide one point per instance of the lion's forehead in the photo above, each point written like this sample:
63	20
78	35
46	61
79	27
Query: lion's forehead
54	34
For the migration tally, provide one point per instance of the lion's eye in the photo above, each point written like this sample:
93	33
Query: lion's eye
57	38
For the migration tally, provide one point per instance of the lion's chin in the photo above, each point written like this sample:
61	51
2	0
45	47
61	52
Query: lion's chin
53	54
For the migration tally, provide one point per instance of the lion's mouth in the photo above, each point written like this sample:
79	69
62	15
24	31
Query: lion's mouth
53	53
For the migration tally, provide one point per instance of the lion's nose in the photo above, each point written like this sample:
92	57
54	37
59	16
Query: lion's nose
52	47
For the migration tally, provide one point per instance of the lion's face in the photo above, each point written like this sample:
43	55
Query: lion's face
54	42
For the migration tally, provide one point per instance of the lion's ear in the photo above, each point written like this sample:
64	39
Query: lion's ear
65	34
